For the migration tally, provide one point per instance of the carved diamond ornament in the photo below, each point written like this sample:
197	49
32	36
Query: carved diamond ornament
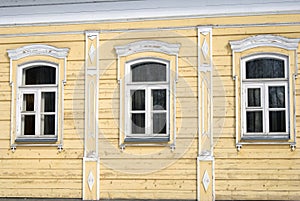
92	53
205	48
205	180
92	37
91	180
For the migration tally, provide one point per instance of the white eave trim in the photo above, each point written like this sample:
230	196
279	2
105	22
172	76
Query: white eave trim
264	40
32	12
33	50
147	46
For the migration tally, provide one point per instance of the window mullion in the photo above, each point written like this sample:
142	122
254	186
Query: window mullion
244	106
38	112
148	122
56	111
266	108
168	109
287	106
128	103
19	114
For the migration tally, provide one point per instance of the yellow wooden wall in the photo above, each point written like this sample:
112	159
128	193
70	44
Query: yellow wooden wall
43	171
149	172
256	172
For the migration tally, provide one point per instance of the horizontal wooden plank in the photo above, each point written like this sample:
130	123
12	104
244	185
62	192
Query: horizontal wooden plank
253	30
165	174
176	194
36	173
42	164
111	151
257	195
137	185
41	152
257	164
40	183
43	39
262	174
34	192
258	185
144	165
259	152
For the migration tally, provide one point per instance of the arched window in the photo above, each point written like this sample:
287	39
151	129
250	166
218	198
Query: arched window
265	96
264	70
147	93
147	102
37	80
37	101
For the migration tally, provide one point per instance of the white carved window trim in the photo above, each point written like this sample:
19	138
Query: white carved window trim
139	47
240	46
60	54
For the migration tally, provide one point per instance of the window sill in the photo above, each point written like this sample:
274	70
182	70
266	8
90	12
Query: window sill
147	140
268	138
36	140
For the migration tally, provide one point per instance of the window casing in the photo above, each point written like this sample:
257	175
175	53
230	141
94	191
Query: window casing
37	102
281	82
147	101
265	97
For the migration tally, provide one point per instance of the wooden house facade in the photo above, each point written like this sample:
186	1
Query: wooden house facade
139	100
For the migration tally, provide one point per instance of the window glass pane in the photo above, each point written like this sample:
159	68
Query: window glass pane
159	123
265	68
254	97
138	99
277	121
40	75
28	124
138	123
277	97
159	99
48	102
28	102
254	122
48	124
148	72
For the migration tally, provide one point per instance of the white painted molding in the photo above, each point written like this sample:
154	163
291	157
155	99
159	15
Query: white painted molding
147	46
264	40
33	50
290	44
82	11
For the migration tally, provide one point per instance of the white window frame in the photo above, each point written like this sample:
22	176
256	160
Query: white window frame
37	91
148	87
264	84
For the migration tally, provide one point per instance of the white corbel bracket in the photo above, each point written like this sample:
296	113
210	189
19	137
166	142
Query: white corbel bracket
172	147
293	146
122	147
13	148
238	147
60	148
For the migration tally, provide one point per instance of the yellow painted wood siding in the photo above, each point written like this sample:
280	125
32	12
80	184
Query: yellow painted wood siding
257	172
43	171
141	172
